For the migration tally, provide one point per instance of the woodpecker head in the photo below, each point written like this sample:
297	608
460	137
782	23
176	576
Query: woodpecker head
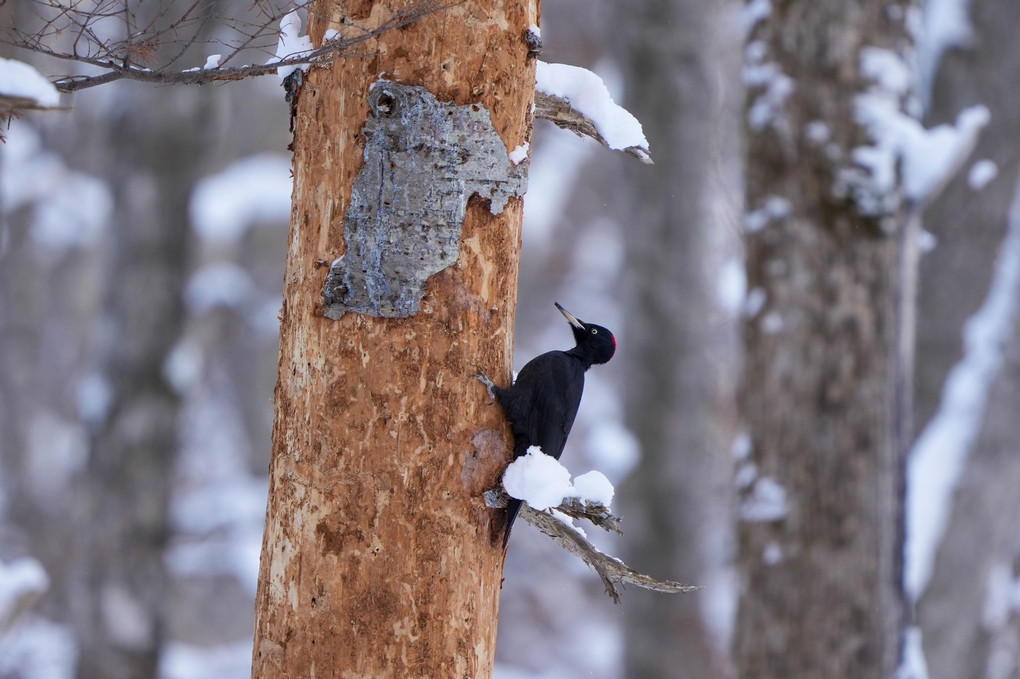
593	341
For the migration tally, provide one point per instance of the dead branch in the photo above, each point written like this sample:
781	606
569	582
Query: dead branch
122	59
559	111
611	570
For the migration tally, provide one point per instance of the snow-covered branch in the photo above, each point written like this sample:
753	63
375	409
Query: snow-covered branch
612	571
576	99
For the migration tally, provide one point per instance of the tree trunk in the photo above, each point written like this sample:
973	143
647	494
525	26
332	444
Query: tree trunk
825	376
971	227
678	501
380	557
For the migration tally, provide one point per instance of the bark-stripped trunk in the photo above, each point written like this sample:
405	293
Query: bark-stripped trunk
380	557
824	393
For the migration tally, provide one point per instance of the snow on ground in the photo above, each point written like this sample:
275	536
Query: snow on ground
21	81
588	94
937	459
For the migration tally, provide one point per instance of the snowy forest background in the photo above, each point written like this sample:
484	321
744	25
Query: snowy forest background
142	245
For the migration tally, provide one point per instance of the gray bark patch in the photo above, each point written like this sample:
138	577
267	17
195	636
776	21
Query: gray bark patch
423	160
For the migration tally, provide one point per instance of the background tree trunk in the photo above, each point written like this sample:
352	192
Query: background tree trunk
820	532
679	61
380	557
963	612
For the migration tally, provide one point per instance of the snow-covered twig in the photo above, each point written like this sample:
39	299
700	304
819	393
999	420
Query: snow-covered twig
576	99
611	570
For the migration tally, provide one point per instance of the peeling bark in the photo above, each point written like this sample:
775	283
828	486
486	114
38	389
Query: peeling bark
380	558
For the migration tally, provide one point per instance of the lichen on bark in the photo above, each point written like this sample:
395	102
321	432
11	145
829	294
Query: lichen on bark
423	160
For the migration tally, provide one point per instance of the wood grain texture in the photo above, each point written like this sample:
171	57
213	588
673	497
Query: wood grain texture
380	558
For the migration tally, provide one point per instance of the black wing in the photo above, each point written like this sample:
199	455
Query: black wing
542	404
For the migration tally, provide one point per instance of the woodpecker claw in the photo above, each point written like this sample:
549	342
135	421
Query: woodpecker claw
488	386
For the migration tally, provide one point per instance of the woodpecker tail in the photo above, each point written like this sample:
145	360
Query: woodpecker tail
511	513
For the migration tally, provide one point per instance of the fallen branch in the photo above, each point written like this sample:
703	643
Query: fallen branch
611	570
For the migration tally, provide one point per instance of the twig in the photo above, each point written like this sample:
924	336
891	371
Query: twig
559	111
611	570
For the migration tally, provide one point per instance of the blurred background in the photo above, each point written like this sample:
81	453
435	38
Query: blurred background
142	244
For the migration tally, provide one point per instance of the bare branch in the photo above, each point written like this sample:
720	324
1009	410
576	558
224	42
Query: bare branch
612	571
174	36
559	111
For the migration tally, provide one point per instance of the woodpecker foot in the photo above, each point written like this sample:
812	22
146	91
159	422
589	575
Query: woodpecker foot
489	386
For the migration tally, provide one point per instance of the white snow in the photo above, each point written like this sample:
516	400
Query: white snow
595	488
182	367
542	482
223	284
944	24
588	94
912	665
981	173
754	12
94	396
535	30
926	158
731	285
612	445
330	35
776	86
186	661
774	208
21	582
75	216
772	554
937	459
254	190
20	80
538	479
38	649
291	43
213	61
755	302
767	501
519	153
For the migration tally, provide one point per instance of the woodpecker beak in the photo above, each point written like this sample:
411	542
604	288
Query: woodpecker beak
571	318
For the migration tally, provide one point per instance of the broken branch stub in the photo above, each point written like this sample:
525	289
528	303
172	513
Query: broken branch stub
423	159
558	111
611	570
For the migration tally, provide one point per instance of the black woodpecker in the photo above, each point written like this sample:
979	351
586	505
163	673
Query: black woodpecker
542	403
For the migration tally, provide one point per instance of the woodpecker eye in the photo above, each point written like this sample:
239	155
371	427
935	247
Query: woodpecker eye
594	331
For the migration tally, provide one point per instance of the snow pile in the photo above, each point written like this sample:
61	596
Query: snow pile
927	158
213	61
538	479
542	482
19	80
291	44
937	459
589	96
